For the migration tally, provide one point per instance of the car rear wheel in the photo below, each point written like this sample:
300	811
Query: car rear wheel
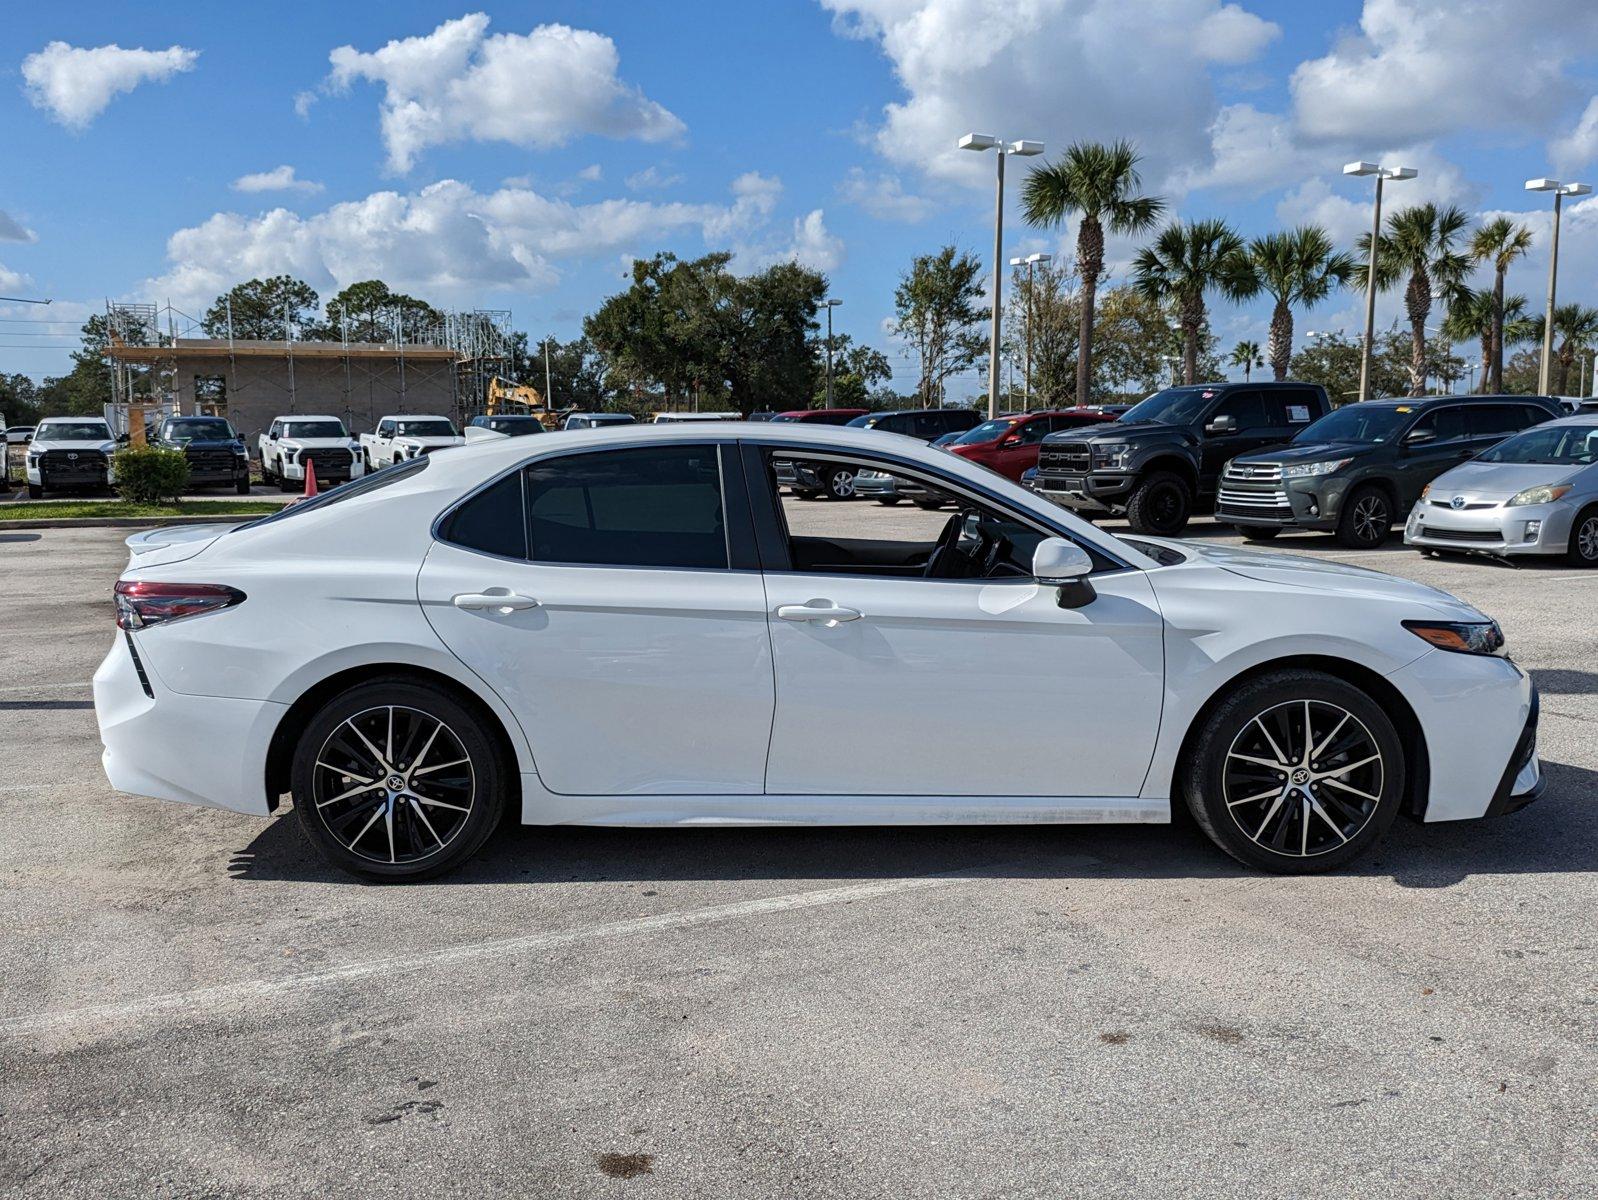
1583	548
35	491
242	486
1366	520
890	501
1160	504
1295	772
395	780
839	484
1258	533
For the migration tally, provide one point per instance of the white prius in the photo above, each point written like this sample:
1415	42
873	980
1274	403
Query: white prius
634	627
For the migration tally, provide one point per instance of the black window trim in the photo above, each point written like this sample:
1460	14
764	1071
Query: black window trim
771	530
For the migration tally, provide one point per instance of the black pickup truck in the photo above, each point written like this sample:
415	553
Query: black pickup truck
1161	459
216	453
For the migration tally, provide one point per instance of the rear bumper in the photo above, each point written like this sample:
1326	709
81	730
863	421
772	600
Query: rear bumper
205	750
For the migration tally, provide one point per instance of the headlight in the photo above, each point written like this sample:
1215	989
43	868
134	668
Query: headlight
1306	470
1462	637
1114	454
1540	495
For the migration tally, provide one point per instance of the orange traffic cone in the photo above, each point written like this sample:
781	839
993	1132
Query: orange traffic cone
310	478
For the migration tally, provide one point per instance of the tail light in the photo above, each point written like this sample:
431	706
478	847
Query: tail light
141	603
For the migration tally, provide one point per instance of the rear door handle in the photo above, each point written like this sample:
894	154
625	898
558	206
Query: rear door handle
493	600
824	611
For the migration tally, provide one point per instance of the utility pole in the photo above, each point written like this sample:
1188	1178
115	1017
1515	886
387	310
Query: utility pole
829	305
549	401
1382	174
1560	191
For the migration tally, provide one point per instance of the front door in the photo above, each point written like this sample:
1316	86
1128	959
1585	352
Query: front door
916	656
610	599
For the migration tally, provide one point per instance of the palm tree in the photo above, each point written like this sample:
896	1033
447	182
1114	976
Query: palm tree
1483	316
1247	355
1499	242
1419	246
1576	327
1297	267
1101	183
1185	262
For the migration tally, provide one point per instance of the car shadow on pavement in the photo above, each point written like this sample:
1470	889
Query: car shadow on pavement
1558	682
1557	834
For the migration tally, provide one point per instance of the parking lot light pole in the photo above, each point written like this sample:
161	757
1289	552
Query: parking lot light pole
1560	191
829	305
1382	175
1022	149
1028	262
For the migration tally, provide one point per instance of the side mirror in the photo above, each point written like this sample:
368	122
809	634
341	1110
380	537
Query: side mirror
1221	425
1064	565
1009	440
1418	437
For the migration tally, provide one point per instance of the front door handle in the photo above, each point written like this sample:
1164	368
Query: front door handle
824	611
496	599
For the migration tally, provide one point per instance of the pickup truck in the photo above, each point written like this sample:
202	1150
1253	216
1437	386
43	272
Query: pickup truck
291	442
70	452
398	438
216	454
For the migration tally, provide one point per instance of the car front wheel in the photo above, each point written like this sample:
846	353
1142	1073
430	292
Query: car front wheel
1295	772
1366	520
839	485
1160	505
1583	548
395	780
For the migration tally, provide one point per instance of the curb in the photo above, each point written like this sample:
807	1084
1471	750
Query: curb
126	522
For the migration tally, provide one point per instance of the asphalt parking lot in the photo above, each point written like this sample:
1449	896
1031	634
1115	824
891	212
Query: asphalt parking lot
193	1004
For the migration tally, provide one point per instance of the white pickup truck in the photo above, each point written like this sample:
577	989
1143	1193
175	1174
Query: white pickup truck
292	441
401	437
70	452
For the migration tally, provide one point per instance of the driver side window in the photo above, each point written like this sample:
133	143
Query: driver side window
843	517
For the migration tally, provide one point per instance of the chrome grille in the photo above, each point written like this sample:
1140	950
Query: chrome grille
1252	487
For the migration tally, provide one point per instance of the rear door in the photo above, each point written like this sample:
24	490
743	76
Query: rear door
1446	443
613	600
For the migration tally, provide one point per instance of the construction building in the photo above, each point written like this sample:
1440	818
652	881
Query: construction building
448	368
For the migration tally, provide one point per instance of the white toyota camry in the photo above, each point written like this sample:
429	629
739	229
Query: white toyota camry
636	626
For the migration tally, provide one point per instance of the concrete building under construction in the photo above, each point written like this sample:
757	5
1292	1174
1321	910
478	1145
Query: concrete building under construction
445	369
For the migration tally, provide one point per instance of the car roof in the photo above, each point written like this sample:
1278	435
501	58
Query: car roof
1421	403
308	417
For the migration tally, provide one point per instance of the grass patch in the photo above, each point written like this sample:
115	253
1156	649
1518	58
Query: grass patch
53	510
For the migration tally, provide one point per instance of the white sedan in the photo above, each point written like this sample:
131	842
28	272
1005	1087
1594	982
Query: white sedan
633	627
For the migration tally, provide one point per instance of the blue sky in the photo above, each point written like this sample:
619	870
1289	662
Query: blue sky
515	156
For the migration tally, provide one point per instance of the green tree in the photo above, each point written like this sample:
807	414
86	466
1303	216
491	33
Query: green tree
1499	242
86	388
1296	268
939	311
857	371
263	309
1419	248
1479	316
1187	261
579	375
1046	299
1101	183
19	400
1575	332
1247	355
369	312
1133	337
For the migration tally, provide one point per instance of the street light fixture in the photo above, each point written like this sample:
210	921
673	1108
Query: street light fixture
1382	175
829	305
1560	191
1029	262
1022	149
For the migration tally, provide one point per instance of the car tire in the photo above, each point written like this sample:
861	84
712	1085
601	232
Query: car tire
1583	548
35	491
1367	518
1160	504
388	835
285	484
838	484
1258	533
1313	812
242	486
806	495
890	501
929	505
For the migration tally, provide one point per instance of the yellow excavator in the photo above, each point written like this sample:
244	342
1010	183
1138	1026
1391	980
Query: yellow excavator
505	397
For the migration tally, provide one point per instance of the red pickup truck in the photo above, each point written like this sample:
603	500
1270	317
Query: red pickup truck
1008	444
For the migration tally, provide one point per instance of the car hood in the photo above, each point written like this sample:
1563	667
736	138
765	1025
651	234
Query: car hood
430	442
1298	452
38	445
1496	481
1123	431
171	543
1323	576
208	443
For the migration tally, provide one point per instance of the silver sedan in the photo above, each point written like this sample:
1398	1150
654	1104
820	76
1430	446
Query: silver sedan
1534	493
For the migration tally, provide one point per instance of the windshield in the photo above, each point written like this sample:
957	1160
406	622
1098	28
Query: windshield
434	427
314	429
73	431
194	429
985	432
1173	406
866	421
514	424
1357	423
1551	445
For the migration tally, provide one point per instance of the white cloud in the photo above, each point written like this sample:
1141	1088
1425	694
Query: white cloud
75	83
13	281
540	89
592	173
1057	70
813	245
278	179
1251	151
884	197
1580	146
451	243
13	230
1420	69
652	179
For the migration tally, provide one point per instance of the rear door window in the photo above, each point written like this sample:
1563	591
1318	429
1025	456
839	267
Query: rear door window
1248	408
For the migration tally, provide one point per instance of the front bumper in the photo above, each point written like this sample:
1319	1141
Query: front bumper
1523	780
326	472
1092	491
1313	503
206	750
875	485
1498	530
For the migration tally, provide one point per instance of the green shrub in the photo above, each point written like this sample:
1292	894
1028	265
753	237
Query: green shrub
147	474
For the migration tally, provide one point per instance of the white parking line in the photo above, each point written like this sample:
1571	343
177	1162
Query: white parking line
228	996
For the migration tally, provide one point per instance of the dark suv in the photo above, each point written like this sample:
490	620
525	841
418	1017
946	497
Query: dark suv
1359	469
1160	460
216	453
926	424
